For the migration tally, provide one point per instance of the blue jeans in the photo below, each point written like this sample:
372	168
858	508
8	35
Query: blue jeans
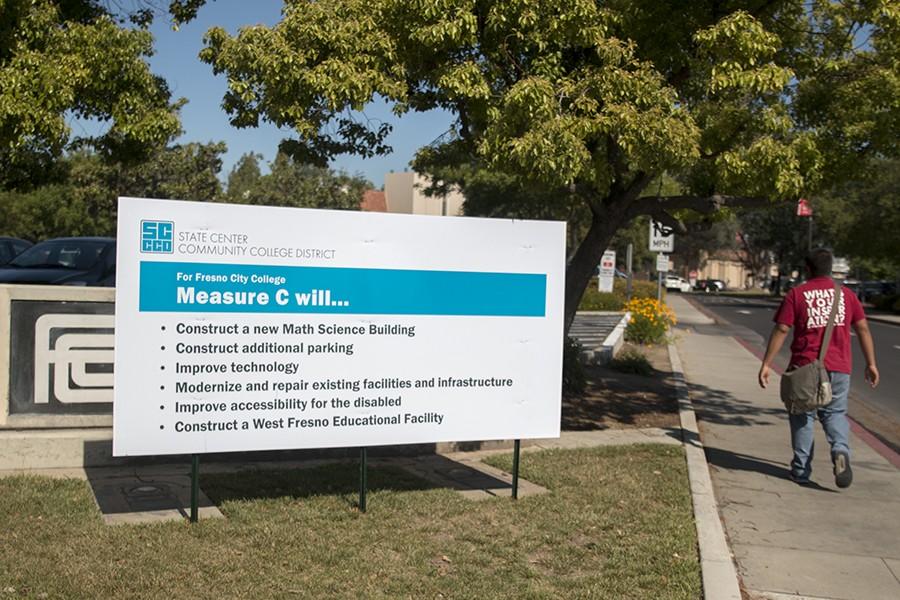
834	421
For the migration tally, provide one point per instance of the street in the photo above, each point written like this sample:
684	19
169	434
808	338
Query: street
750	320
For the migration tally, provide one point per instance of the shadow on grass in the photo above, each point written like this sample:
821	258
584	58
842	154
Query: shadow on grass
343	479
326	480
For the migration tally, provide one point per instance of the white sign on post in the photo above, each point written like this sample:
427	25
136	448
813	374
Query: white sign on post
659	242
254	328
662	263
607	273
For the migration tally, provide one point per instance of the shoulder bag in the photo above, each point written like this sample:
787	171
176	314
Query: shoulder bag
808	387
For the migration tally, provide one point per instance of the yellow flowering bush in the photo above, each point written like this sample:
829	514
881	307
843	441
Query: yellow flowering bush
650	320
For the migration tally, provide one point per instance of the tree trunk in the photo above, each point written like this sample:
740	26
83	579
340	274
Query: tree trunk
583	263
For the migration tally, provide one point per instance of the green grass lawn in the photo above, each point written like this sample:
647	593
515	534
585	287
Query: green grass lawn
617	523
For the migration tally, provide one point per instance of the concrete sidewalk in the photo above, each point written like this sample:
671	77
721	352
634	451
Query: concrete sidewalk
789	541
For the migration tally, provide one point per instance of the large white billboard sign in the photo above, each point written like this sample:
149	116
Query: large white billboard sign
255	328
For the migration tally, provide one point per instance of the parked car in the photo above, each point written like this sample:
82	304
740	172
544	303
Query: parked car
710	285
65	261
10	248
676	283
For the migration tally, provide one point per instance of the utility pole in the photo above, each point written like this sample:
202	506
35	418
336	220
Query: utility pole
628	271
805	210
809	237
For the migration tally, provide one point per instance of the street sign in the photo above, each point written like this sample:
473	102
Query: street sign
662	263
803	208
607	271
840	266
659	240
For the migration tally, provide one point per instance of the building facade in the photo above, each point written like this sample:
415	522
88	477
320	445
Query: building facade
405	194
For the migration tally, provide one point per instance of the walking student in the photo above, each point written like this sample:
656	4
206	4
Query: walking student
807	309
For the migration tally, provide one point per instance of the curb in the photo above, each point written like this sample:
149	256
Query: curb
886	319
720	578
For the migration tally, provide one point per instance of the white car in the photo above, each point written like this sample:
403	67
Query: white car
676	283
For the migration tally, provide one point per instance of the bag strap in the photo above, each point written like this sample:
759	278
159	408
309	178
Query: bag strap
826	339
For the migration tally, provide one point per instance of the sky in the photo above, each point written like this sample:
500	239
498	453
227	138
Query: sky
203	119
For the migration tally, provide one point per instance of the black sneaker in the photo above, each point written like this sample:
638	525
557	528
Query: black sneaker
800	480
843	475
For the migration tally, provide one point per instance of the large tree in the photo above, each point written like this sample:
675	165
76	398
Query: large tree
86	203
862	219
292	183
740	101
775	235
76	58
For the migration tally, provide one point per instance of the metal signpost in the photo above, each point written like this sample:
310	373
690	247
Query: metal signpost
662	240
662	266
805	210
629	254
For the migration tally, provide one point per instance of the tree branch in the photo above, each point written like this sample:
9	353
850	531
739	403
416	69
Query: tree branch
625	195
650	205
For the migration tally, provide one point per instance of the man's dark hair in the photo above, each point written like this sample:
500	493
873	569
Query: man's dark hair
819	262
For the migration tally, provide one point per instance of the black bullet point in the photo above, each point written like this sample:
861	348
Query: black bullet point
163	327
162	387
162	426
162	407
162	368
162	347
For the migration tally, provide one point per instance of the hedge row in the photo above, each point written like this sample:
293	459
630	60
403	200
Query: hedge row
615	300
889	302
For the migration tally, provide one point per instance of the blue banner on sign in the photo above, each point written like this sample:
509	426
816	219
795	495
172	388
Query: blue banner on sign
204	287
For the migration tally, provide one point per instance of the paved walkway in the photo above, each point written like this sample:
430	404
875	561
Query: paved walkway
789	541
882	317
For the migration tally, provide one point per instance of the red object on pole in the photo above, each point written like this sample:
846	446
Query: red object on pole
803	208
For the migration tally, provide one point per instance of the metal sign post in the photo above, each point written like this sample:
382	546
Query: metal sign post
195	488
515	482
628	260
362	479
805	210
662	266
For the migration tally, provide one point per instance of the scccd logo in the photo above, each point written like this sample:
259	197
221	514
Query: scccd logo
157	236
73	348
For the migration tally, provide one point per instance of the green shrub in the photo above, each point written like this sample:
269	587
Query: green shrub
886	302
632	361
574	380
594	299
639	289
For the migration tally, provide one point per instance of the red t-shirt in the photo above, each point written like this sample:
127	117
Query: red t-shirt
806	309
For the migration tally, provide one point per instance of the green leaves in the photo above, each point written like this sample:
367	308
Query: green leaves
738	53
86	203
291	183
768	167
309	72
576	100
74	59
